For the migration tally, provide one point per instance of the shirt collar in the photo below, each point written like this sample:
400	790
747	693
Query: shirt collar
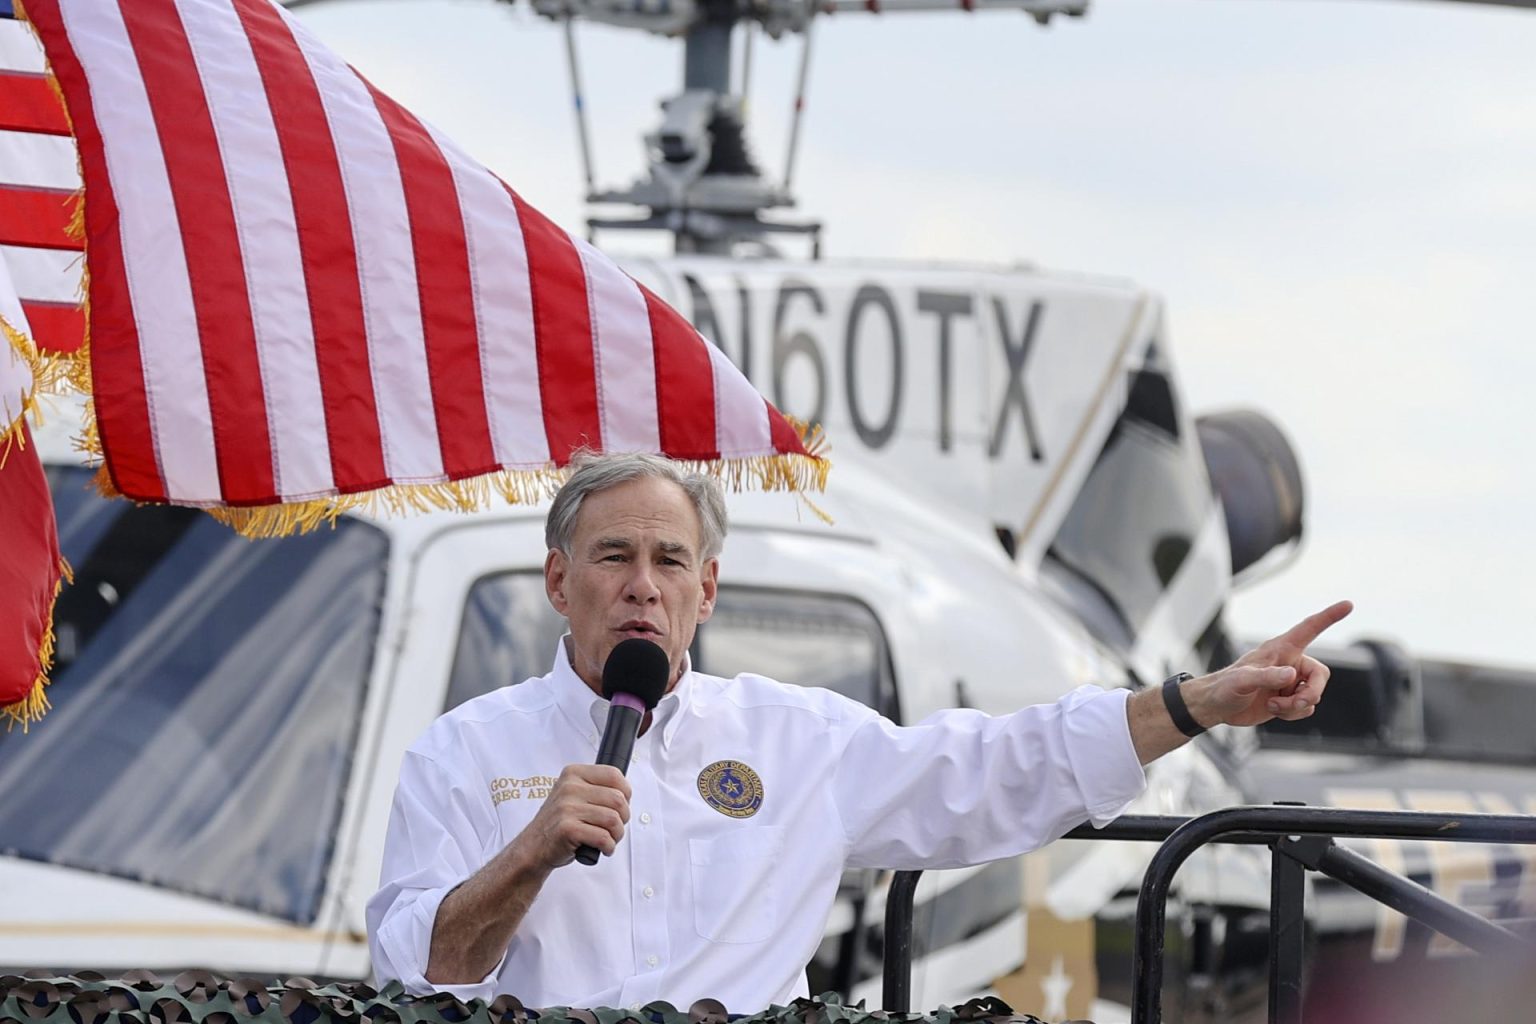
584	708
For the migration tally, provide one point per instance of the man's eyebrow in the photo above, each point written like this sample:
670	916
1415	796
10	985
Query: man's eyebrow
666	547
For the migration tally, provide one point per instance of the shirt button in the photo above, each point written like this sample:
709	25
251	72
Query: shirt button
648	892
652	960
645	819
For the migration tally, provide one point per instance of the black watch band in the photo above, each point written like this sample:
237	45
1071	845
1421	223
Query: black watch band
1173	700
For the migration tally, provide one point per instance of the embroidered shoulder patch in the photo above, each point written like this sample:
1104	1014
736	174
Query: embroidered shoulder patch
731	788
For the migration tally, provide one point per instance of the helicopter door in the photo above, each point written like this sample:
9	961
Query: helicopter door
207	693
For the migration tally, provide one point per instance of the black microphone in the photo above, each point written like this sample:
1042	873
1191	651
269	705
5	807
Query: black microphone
634	679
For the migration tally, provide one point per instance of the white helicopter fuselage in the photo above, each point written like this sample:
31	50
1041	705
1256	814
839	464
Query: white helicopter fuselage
966	409
988	392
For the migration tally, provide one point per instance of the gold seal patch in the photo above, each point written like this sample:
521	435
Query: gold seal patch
731	788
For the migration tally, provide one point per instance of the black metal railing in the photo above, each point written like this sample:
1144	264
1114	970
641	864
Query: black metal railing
1301	839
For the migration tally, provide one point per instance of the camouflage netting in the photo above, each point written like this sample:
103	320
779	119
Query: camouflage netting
197	997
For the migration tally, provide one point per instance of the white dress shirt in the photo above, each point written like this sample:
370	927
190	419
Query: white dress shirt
725	877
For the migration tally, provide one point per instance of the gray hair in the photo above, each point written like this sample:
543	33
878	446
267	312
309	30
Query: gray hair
594	473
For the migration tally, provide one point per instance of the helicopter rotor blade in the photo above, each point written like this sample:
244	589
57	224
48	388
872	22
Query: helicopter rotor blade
1528	4
1041	10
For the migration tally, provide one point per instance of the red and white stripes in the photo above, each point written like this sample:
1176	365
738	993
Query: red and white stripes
38	179
298	290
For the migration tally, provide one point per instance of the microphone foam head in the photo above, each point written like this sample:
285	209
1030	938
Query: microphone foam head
639	668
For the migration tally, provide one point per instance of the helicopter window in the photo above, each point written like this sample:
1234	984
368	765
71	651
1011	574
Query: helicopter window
206	697
1151	402
508	634
1136	517
809	639
509	630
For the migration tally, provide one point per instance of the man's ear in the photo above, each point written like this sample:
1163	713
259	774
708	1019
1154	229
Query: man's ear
711	582
556	568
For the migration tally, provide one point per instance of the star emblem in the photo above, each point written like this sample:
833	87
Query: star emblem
1055	986
732	788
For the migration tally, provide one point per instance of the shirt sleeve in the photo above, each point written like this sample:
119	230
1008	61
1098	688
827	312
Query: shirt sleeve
436	839
962	787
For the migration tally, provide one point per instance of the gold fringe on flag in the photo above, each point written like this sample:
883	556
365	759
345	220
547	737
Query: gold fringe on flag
35	704
795	473
51	375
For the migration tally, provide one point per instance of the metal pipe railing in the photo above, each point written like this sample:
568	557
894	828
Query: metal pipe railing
1281	828
896	990
1365	875
1287	936
1279	822
897	984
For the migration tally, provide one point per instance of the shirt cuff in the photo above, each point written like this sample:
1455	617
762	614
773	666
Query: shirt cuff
1098	742
410	932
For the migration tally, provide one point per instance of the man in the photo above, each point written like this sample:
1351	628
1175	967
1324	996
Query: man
746	798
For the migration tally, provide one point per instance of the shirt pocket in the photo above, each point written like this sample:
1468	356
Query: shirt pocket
736	884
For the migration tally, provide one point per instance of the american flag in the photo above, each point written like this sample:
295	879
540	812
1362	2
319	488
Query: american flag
30	568
39	309
30	563
38	177
299	292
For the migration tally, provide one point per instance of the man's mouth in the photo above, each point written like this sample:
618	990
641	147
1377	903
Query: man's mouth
641	629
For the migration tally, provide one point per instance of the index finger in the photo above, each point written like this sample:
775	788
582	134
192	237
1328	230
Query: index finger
1310	628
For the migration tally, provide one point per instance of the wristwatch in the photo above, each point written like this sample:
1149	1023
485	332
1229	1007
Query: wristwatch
1173	700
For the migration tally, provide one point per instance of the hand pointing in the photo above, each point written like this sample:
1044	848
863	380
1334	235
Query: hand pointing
1277	679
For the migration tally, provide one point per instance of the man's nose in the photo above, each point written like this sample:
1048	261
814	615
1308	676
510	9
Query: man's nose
641	586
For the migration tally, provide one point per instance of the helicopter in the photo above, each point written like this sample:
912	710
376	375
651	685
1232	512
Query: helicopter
1090	527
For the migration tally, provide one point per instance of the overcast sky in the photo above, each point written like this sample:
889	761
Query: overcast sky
1336	199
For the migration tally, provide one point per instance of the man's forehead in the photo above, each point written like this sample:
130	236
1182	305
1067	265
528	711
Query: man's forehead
645	504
